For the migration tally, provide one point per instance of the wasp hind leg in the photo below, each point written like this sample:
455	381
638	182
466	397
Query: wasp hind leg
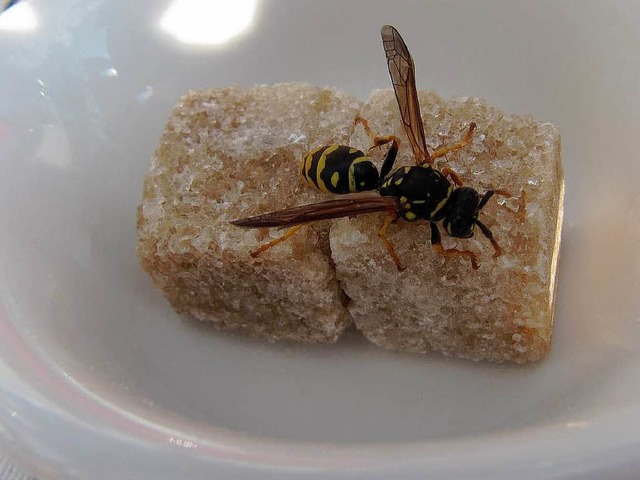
276	241
436	242
392	217
378	141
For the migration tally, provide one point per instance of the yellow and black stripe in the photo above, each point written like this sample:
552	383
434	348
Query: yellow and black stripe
339	169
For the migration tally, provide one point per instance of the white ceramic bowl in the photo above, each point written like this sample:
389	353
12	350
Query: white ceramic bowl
100	379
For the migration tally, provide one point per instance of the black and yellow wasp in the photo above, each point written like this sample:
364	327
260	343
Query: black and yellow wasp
418	192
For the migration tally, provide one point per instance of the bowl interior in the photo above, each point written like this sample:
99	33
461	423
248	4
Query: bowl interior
83	109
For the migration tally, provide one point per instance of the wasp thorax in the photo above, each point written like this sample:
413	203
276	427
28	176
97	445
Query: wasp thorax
422	191
463	212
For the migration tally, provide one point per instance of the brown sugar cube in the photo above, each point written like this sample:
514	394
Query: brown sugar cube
503	310
231	153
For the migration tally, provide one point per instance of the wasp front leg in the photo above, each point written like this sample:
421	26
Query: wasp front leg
497	249
519	214
436	242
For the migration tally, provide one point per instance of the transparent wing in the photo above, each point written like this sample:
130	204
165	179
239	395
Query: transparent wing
346	207
403	79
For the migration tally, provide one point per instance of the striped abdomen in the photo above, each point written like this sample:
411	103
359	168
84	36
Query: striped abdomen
339	169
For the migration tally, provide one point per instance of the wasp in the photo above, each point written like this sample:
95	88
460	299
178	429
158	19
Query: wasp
411	193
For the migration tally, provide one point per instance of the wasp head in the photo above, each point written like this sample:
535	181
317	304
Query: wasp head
463	212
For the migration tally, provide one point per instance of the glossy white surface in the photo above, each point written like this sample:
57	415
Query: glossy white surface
100	379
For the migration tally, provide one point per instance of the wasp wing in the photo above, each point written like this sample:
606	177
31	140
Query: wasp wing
346	207
403	78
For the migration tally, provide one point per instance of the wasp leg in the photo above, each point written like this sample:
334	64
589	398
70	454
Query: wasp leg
378	141
392	217
487	233
389	159
450	252
442	151
276	241
449	172
519	214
